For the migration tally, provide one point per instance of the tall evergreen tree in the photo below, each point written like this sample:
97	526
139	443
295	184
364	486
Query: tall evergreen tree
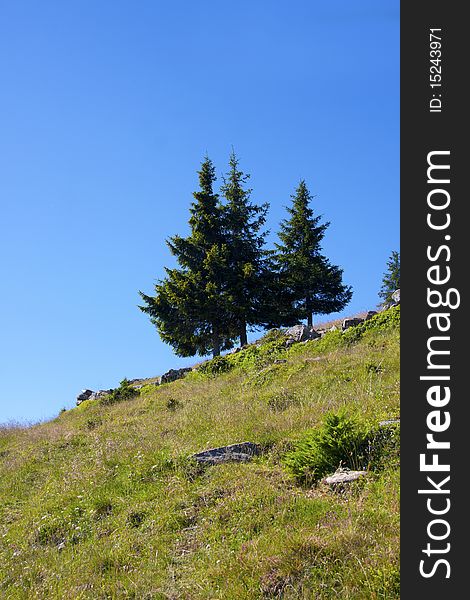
391	278
190	306
247	273
311	283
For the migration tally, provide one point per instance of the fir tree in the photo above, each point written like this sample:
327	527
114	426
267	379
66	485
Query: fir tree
391	278
248	268
309	282
189	308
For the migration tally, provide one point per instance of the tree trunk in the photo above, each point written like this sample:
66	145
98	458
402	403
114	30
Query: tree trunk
308	306
216	344
243	335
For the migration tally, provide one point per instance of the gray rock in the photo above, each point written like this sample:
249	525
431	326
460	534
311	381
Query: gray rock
242	452
370	314
279	361
84	395
174	374
352	322
343	476
396	297
301	333
99	394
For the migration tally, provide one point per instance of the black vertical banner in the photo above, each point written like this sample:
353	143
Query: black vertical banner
435	236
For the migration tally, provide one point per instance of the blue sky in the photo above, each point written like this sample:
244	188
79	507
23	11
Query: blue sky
106	111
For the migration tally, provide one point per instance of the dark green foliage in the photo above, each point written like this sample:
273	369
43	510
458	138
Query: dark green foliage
340	442
227	282
309	283
191	305
124	392
248	276
219	364
391	278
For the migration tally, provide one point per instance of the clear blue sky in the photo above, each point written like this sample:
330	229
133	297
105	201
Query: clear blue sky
106	111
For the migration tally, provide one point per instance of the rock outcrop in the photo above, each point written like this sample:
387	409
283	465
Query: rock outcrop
83	395
301	333
174	374
99	394
352	322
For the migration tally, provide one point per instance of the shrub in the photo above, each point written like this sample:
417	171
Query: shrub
339	442
273	335
342	441
124	392
173	404
215	366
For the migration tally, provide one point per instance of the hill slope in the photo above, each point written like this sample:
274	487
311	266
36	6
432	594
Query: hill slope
102	502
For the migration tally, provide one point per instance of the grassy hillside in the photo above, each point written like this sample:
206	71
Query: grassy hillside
103	502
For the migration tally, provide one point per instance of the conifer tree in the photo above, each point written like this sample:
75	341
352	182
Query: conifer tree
247	274
311	283
391	278
189	308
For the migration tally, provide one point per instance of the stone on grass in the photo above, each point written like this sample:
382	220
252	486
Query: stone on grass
343	476
352	322
242	452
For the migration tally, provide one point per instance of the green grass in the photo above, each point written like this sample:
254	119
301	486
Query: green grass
102	502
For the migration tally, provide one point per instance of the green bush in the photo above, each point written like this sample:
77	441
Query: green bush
340	441
124	392
383	321
216	366
273	335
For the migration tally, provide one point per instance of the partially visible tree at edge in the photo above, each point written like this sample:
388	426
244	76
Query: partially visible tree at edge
190	308
308	282
391	278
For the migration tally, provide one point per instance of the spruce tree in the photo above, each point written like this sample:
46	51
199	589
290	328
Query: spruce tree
391	278
248	268
311	284
189	308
